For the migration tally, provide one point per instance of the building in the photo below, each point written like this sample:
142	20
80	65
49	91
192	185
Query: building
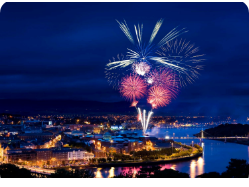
134	145
75	133
38	156
76	154
44	154
43	136
9	139
20	155
27	145
88	156
73	126
99	153
87	128
116	127
60	155
33	130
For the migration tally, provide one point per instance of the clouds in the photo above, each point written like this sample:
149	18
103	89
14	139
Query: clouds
59	50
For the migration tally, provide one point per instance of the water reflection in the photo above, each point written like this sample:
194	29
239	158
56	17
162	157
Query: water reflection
98	173
111	172
200	166
192	169
202	145
173	167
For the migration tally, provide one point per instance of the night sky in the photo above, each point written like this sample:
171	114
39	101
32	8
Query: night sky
59	51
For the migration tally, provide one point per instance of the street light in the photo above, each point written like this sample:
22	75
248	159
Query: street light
172	147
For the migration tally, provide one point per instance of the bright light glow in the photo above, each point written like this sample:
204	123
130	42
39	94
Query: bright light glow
149	80
141	68
144	122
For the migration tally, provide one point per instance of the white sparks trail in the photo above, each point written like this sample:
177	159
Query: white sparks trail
144	122
155	31
142	51
124	27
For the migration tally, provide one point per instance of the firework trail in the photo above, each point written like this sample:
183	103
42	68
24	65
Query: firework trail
142	118
133	87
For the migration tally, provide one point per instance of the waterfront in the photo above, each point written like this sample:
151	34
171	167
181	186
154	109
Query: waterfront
216	155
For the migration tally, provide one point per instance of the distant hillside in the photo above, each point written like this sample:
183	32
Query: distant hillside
227	130
54	107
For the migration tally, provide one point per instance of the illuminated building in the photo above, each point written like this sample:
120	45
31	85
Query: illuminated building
43	136
19	155
44	154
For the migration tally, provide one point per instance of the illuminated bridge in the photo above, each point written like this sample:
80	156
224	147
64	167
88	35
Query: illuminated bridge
208	137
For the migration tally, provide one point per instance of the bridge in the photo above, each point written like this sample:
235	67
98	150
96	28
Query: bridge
208	137
193	137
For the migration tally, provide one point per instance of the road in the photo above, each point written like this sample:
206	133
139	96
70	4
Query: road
37	170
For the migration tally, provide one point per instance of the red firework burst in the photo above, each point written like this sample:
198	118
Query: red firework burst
133	87
158	97
166	79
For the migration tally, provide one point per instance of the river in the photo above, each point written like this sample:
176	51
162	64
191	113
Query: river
216	155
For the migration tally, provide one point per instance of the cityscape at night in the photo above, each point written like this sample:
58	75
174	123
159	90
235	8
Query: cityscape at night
124	90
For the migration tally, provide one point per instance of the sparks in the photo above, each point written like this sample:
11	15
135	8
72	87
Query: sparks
158	97
141	68
182	57
166	79
141	55
142	118
133	87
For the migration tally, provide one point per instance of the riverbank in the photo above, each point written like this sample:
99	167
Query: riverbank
143	163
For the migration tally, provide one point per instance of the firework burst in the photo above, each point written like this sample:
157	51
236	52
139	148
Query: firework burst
180	53
156	69
164	78
138	58
133	87
141	68
158	97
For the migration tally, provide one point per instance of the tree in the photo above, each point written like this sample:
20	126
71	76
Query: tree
209	175
147	171
62	173
12	171
169	173
236	169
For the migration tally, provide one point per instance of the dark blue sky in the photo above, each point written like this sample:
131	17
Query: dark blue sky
59	51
